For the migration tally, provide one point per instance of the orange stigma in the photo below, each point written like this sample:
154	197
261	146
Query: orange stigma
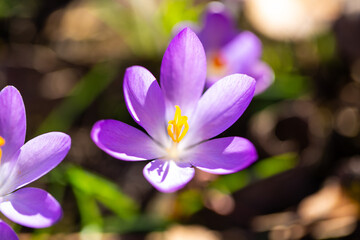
219	61
217	65
178	127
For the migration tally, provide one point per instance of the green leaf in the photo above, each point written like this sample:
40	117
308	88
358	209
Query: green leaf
232	182
89	210
104	191
274	165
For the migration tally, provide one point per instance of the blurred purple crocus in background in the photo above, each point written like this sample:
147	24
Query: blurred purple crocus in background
21	164
180	119
229	51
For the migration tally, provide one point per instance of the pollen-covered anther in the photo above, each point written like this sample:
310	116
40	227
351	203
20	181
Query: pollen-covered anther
2	143
178	127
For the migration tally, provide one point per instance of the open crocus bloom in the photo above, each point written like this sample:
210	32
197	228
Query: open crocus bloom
179	119
21	164
229	51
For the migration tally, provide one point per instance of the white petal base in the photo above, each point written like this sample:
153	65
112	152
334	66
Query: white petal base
167	175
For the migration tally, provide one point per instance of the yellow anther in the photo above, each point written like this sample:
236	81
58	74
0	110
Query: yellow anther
178	127
2	143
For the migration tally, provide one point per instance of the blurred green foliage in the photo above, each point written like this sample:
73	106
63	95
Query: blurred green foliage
90	187
17	8
326	46
83	94
232	182
173	12
189	202
274	165
146	26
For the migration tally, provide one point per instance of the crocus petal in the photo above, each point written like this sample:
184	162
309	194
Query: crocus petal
37	157
263	75
218	27
12	121
124	142
223	155
167	175
243	51
6	232
220	106
145	101
183	71
239	55
31	207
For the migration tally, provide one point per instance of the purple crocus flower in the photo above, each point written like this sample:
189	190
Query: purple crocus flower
229	51
21	164
180	119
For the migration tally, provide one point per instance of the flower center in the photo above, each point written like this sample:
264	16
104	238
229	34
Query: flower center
217	64
178	127
2	143
173	152
219	61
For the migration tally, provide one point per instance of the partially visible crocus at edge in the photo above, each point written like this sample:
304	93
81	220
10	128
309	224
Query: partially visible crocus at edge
230	51
179	119
21	164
